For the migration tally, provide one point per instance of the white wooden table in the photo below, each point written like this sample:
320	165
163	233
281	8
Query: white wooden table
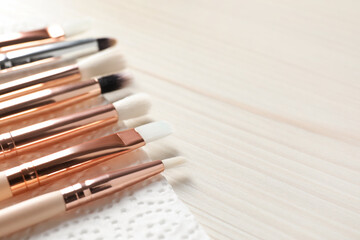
265	99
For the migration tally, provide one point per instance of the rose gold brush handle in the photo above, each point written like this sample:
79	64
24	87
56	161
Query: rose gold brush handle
34	43
47	100
35	136
43	170
49	205
53	33
40	81
102	186
28	69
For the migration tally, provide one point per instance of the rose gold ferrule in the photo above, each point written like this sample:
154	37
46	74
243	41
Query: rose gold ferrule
29	68
47	100
102	186
51	33
39	81
46	169
33	137
18	46
7	146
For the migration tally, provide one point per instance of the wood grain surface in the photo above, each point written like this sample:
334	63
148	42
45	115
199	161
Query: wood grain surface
265	100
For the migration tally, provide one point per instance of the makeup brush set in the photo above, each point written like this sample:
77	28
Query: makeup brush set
42	72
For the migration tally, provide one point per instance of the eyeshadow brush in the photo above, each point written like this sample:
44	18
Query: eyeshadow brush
30	138
53	98
99	64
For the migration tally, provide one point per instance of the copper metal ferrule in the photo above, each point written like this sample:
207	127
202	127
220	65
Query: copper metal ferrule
39	81
47	100
65	49
28	69
99	187
49	34
46	169
35	43
32	137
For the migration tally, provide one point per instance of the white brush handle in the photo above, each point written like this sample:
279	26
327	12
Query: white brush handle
30	212
5	191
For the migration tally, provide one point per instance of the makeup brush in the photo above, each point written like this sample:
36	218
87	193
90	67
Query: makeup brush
51	62
53	98
51	167
49	205
51	33
39	66
33	137
66	49
99	64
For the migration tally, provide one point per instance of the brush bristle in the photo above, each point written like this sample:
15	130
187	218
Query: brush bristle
173	162
153	131
104	43
101	63
132	106
113	82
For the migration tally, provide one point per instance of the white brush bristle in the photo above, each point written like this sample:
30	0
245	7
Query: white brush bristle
153	131
173	162
102	63
76	27
132	106
117	95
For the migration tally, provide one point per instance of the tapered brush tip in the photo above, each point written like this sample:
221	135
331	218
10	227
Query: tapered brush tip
115	81
132	106
104	43
153	131
173	162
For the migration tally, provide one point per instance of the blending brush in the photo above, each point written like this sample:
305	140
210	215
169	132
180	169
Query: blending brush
49	205
43	170
33	137
99	64
53	98
66	49
51	33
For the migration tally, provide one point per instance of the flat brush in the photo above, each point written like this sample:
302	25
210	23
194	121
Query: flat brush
51	33
67	49
50	99
99	64
33	137
49	205
43	170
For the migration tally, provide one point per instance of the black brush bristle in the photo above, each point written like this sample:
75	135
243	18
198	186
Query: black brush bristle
104	43
113	82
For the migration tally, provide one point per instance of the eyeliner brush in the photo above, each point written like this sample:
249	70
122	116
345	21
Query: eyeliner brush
50	205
